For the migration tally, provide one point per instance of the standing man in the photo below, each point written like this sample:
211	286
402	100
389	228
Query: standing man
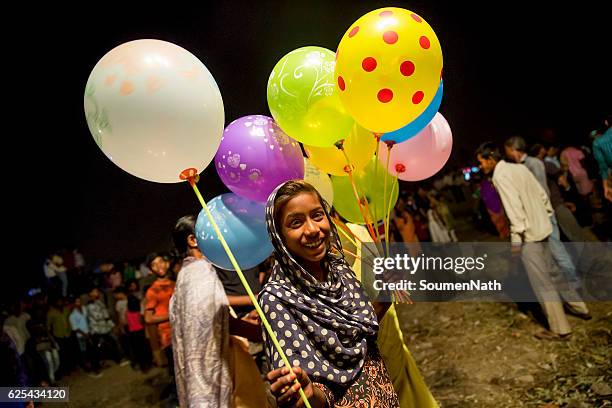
79	325
516	149
101	326
59	326
529	210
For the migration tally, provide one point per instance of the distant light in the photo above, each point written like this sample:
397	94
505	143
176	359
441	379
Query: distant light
34	291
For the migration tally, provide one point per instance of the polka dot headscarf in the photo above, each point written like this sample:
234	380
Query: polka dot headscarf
323	327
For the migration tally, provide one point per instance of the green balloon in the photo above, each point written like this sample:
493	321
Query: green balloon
368	185
303	99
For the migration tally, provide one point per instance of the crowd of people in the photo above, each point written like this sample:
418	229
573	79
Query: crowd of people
86	319
180	311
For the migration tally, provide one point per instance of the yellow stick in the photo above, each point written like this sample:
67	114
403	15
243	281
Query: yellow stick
363	213
343	232
377	136
378	243
385	220
353	241
260	312
349	170
388	215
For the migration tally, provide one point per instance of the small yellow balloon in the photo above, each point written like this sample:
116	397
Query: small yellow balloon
319	180
359	147
388	68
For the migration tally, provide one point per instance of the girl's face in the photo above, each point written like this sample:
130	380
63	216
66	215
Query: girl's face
305	228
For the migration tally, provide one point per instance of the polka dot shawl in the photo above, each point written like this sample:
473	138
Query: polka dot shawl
323	327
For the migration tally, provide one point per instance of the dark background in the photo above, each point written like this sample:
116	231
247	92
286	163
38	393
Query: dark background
508	67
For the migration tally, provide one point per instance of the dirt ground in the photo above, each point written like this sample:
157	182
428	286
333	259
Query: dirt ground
485	355
119	387
470	354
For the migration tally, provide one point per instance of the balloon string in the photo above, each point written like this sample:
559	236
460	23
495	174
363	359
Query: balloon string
349	169
365	217
374	223
388	214
376	164
340	226
385	221
375	226
398	296
260	312
353	239
355	256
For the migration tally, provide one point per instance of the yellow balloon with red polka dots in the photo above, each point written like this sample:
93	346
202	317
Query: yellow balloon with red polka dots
388	68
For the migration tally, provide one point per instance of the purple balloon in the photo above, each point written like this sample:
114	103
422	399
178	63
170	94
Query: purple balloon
255	156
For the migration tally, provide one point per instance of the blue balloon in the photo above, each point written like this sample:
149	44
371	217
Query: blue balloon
414	127
243	225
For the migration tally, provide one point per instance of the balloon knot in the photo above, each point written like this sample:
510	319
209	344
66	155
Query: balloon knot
400	168
190	174
349	169
340	144
389	143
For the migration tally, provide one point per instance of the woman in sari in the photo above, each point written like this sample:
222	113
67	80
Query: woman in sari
322	317
212	365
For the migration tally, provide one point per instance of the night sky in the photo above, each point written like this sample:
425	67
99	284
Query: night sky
508	67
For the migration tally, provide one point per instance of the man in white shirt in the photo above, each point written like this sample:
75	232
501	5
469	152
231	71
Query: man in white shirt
55	271
79	325
516	150
528	208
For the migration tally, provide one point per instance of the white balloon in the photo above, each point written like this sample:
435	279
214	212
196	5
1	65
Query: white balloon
319	180
154	109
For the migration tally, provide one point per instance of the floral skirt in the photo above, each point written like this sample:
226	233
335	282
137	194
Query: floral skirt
371	388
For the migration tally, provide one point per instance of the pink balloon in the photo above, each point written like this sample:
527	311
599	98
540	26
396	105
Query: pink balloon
423	155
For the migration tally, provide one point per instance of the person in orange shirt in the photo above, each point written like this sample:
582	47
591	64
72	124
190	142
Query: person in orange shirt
157	305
